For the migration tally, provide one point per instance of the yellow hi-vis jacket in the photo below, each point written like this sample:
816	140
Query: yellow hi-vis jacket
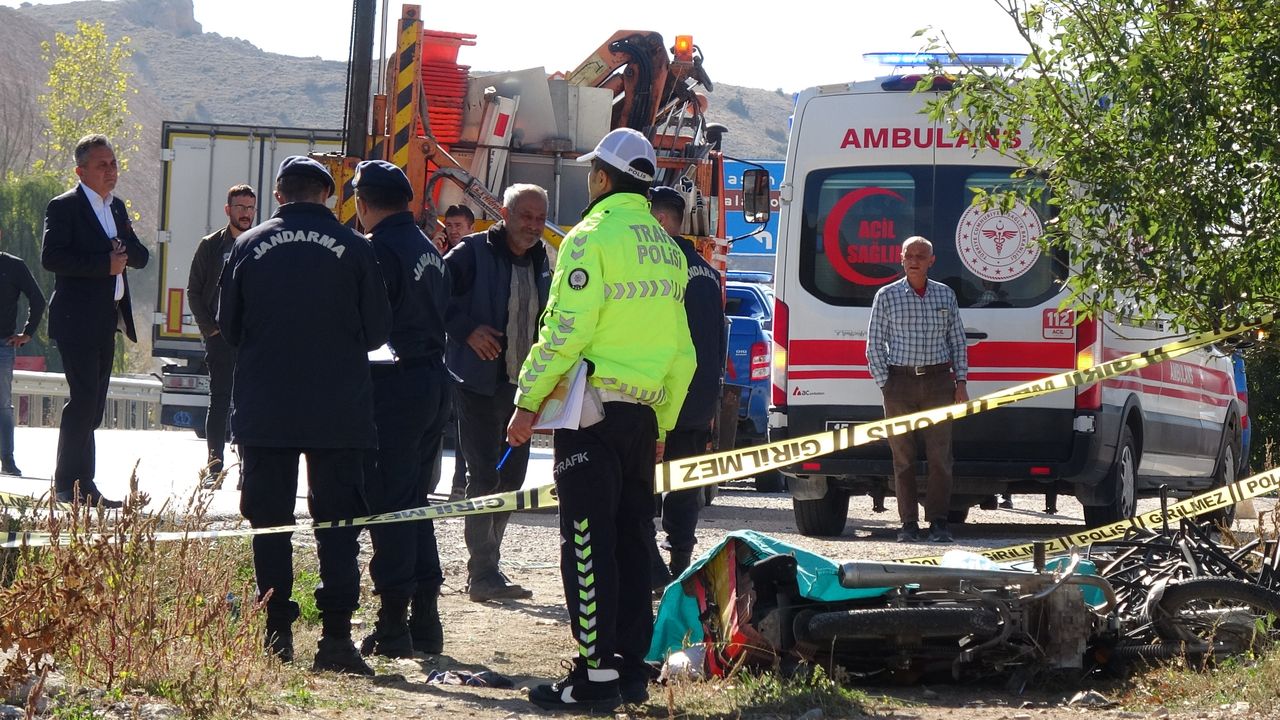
617	299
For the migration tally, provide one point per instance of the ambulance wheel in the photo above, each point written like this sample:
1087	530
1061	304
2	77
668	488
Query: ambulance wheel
770	481
1120	482
825	517
1226	473
200	431
957	516
709	494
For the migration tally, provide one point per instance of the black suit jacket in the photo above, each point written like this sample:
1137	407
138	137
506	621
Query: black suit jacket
78	252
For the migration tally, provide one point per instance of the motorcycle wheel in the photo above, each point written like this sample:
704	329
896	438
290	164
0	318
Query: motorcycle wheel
1227	616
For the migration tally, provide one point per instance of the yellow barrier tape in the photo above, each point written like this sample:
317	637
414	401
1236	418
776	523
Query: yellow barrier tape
1206	502
543	496
728	465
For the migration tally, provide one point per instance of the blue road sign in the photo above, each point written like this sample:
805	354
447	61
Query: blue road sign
762	243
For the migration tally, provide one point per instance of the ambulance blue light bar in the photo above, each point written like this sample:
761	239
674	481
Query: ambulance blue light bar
921	59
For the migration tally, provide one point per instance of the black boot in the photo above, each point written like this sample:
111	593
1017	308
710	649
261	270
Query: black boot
424	622
335	651
680	562
390	637
279	636
583	689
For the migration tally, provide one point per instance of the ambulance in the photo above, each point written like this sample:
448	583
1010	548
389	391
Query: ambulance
866	169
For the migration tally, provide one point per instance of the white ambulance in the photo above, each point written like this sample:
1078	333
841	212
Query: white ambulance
865	170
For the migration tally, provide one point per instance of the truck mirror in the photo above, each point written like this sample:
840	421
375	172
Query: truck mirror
755	195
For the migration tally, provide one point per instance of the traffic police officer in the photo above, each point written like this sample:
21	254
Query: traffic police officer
616	300
704	309
303	302
411	407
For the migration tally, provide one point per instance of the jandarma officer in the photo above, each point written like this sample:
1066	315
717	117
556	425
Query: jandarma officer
303	301
411	407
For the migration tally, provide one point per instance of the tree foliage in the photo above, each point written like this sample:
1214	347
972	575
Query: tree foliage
1155	127
88	93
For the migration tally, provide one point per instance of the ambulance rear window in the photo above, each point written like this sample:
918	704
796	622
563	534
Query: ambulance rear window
856	219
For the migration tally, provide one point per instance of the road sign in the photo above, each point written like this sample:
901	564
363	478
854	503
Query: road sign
762	243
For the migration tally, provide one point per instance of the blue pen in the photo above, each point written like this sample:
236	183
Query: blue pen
505	455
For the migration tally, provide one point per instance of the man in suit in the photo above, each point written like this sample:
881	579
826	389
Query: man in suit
88	242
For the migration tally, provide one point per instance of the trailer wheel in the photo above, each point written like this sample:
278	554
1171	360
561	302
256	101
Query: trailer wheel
1122	482
825	517
770	481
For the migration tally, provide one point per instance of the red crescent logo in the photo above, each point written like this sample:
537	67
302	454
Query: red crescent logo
831	234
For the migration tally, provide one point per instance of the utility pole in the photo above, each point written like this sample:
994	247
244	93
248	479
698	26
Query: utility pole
361	70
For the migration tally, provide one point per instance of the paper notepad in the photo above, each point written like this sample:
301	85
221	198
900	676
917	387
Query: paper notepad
570	406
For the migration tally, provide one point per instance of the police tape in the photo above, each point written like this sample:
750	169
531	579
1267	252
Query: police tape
707	469
1219	498
542	496
715	468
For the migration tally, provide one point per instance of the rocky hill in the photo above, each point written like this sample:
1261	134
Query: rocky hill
182	73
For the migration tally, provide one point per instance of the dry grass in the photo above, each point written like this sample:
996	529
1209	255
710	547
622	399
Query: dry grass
113	609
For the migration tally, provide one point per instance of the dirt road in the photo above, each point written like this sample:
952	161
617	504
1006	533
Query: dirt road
526	640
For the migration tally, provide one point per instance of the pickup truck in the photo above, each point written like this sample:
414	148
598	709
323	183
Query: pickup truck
749	307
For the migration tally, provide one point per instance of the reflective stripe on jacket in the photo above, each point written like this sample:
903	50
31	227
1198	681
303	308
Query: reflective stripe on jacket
617	299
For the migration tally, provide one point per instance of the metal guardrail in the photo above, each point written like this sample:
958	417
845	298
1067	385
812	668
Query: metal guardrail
133	402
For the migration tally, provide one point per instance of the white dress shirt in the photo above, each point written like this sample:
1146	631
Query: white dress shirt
102	209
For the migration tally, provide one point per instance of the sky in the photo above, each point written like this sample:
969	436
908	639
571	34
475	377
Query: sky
777	45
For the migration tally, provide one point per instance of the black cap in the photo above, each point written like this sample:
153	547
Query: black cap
668	195
380	173
303	166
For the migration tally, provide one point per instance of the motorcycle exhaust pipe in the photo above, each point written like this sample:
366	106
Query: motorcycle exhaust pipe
866	574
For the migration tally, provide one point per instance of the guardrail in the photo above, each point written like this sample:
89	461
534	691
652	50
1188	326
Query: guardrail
133	402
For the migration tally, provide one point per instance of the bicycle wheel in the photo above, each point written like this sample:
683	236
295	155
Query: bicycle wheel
935	621
1229	616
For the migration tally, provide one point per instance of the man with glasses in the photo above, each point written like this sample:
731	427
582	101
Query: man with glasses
202	295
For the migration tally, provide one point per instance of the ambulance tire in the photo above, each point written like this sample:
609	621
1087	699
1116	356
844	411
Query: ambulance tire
1121	482
825	517
770	481
957	516
709	494
1226	473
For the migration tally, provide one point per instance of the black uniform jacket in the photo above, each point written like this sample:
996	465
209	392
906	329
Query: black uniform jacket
417	284
704	308
77	250
304	302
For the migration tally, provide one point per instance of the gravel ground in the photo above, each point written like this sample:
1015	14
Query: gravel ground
526	640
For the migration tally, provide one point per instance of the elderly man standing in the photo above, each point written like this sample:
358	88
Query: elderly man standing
501	279
88	242
917	355
303	302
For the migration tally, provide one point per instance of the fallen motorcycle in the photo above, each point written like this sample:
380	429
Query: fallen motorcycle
905	623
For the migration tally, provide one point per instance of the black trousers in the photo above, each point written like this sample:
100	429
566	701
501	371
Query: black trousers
604	481
220	358
411	407
680	508
482	435
87	366
336	481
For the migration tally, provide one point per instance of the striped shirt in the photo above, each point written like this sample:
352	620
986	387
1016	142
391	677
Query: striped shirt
907	329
